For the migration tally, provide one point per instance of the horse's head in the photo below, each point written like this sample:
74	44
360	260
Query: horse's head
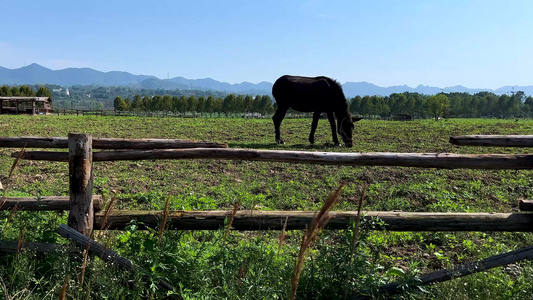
346	130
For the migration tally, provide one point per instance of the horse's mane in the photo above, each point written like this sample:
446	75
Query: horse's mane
332	82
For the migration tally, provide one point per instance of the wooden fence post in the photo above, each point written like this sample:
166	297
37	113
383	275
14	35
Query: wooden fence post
81	216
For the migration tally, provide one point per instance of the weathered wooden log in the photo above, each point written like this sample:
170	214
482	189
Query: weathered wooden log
44	203
107	143
94	247
7	247
460	271
81	215
525	205
274	220
421	160
493	140
99	250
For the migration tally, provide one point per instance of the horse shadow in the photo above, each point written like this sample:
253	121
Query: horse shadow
275	146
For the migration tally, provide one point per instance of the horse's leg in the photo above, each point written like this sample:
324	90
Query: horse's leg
331	120
277	118
314	124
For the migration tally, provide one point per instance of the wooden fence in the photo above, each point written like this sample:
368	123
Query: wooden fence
83	205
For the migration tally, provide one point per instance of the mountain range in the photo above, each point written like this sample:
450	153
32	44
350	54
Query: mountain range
37	74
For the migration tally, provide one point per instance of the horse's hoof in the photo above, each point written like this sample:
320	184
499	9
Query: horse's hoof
280	142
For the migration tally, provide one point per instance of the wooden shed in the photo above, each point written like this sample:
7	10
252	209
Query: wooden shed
25	105
401	117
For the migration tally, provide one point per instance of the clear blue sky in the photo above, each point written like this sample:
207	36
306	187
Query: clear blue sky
478	44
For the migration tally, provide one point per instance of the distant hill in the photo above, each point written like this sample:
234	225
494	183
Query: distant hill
37	74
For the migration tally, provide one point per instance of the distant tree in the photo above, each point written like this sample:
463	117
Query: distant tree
219	103
379	106
137	104
15	91
266	105
438	105
410	104
182	105
175	100
239	105
166	103
513	104
355	104
116	102
127	104
192	103
26	91
5	91
201	104
156	103
119	104
248	103
420	104
210	104
147	103
43	92
98	106
398	103
256	104
229	103
501	108
366	106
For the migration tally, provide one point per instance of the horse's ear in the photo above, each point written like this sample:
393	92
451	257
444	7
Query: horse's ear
356	119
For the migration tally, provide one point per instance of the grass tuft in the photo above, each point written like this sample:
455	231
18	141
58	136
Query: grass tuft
21	240
63	293
11	215
319	221
84	265
232	216
358	221
283	234
164	220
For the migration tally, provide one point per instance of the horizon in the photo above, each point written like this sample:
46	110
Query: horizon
412	87
443	89
475	44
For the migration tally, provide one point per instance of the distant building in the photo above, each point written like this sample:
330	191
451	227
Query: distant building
67	92
25	105
401	117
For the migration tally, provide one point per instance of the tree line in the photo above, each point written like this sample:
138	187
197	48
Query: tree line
101	97
231	103
454	105
24	91
448	105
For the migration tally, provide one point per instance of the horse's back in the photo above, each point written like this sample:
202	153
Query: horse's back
301	93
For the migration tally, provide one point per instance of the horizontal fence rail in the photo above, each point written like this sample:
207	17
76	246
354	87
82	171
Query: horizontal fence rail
107	143
7	247
421	160
459	271
43	203
493	140
297	220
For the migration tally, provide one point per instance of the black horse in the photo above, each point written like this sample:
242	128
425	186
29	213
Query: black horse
317	95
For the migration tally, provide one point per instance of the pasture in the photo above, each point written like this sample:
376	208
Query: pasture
251	265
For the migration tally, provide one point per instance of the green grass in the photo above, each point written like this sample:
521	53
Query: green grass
246	265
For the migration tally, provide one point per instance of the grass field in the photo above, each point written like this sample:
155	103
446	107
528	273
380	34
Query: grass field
249	265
